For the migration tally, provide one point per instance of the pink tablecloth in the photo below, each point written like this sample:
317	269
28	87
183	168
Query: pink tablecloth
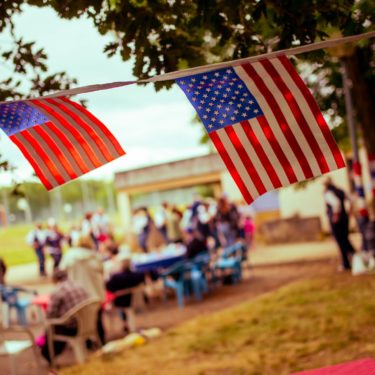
361	367
42	300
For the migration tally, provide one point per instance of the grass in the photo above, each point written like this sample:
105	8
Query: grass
305	325
13	247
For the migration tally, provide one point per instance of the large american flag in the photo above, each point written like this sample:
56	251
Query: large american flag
264	123
60	138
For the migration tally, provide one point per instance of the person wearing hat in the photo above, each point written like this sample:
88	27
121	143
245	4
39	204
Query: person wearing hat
84	267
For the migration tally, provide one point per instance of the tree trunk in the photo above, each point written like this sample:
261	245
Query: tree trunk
363	90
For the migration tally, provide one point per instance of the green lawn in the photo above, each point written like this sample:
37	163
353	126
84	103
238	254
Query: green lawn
13	247
305	325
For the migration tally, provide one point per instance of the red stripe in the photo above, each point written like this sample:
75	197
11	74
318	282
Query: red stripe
47	161
245	159
31	160
284	126
298	115
247	127
230	166
277	149
315	110
104	129
357	169
93	135
75	154
56	150
371	157
76	134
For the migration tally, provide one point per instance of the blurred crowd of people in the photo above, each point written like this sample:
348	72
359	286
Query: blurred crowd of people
49	239
219	223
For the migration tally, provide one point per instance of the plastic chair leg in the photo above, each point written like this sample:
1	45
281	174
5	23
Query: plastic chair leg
21	315
130	319
180	295
79	350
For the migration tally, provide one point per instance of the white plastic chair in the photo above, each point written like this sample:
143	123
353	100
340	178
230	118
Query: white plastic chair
13	347
137	302
86	315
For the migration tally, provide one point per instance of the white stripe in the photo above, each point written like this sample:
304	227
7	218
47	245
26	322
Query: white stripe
262	173
274	160
307	113
273	123
289	117
236	160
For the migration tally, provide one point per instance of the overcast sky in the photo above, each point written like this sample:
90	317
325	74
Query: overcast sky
152	127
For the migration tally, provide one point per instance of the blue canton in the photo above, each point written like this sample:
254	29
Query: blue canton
220	97
15	117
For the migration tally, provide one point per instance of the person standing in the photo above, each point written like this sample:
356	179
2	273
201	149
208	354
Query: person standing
85	268
37	240
339	221
54	242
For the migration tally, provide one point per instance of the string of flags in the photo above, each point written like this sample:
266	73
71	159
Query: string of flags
259	114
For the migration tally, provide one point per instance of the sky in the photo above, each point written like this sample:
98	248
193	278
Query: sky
152	127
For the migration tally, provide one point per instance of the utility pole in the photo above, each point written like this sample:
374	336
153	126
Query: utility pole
363	216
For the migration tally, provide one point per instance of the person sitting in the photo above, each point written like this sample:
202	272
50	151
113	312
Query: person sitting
125	279
111	265
195	244
66	296
84	267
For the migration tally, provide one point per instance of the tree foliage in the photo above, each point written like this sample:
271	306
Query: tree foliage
167	35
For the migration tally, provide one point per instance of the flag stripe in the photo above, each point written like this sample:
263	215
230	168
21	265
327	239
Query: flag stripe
253	157
259	150
48	156
35	160
88	132
70	150
244	157
316	111
278	116
273	141
273	132
259	132
114	147
44	157
53	148
238	163
231	168
73	132
296	119
309	117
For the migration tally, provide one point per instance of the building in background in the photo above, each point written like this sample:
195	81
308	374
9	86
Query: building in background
177	182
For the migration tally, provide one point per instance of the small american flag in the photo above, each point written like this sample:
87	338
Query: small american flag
60	138
264	123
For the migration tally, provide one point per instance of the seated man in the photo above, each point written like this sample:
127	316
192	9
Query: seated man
66	295
124	279
195	244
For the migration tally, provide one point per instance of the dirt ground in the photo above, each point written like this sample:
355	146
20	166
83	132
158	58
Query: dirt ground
257	281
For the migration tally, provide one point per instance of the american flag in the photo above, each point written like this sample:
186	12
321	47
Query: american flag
60	138
264	123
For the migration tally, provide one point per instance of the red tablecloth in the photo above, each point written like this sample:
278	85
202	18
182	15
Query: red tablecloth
42	300
361	367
